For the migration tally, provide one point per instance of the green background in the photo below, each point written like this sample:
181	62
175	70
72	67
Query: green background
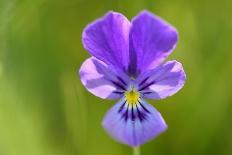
44	109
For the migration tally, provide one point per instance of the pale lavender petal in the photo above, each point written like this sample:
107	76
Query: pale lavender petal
151	41
135	125
163	81
108	39
101	80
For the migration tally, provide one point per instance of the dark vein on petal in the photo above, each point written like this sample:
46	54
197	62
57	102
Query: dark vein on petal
142	82
125	114
118	92
121	107
132	113
118	85
121	80
148	92
147	85
144	107
140	114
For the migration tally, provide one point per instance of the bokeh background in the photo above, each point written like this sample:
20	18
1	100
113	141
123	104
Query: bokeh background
44	109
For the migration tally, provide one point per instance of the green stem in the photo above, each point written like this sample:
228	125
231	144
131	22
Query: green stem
136	150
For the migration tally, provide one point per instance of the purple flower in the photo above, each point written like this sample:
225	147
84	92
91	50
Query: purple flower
127	64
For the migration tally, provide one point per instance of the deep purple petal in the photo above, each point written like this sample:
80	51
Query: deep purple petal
163	81
101	80
108	39
133	125
151	41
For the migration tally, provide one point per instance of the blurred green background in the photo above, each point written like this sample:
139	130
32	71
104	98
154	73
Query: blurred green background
44	109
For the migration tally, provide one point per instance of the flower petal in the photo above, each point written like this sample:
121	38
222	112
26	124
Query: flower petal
163	81
101	80
151	41
108	39
133	125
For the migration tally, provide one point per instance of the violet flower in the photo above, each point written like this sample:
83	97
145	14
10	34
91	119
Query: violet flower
127	64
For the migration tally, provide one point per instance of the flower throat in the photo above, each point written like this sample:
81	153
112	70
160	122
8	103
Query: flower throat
132	96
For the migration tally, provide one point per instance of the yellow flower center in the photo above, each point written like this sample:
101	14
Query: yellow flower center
132	96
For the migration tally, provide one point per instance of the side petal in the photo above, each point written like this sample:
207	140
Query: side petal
163	81
151	41
101	80
108	39
134	124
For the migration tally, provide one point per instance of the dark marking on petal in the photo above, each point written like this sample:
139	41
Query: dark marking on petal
147	85
125	114
144	80
148	92
121	80
144	108
119	85
132	113
142	116
121	107
118	92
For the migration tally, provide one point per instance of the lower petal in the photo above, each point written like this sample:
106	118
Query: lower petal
134	124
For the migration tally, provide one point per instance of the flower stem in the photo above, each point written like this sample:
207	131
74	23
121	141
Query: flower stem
136	150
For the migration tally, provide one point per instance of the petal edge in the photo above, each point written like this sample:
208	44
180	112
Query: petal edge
163	81
107	39
151	40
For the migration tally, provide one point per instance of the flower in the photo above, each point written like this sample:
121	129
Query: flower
127	64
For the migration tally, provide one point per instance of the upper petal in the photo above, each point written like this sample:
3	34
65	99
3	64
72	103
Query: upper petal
108	39
163	81
101	80
151	41
133	125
